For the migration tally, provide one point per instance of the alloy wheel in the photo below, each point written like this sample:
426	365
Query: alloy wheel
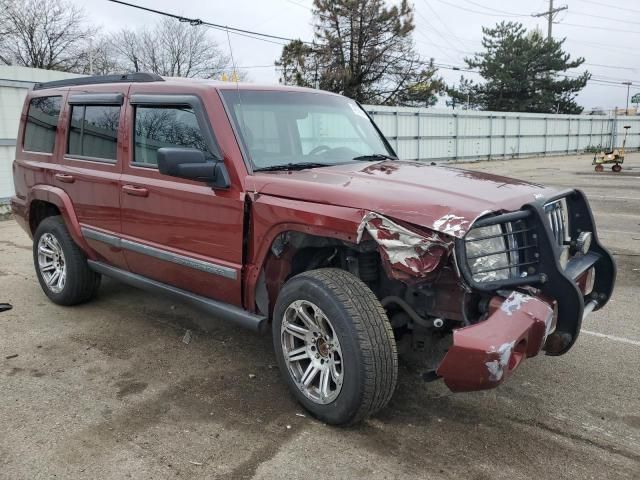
312	351
51	263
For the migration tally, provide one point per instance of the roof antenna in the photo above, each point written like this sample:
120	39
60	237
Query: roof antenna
234	74
240	113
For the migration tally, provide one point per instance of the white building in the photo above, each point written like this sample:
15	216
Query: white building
15	82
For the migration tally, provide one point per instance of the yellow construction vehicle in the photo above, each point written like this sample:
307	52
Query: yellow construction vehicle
615	156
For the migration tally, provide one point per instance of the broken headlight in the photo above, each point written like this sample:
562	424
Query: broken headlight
487	254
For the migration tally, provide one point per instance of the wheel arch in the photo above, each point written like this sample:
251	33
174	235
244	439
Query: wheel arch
45	201
289	249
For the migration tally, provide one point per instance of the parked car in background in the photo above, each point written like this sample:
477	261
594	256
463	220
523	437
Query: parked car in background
286	209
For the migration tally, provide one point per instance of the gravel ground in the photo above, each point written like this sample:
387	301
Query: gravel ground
108	390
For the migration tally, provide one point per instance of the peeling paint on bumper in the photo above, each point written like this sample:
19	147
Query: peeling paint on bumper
485	354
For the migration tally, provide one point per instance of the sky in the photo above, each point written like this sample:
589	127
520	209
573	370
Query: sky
604	32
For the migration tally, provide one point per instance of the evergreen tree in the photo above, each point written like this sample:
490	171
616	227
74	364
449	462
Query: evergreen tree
522	72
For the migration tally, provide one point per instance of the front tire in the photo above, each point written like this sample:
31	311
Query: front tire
61	267
335	346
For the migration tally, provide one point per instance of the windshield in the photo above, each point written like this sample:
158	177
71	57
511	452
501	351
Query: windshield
300	128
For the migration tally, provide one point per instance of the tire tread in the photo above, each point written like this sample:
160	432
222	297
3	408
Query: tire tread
375	337
84	283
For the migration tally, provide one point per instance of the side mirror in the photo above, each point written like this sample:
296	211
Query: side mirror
192	164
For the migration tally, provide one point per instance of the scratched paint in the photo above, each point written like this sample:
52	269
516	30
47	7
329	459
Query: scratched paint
451	225
407	252
496	367
514	302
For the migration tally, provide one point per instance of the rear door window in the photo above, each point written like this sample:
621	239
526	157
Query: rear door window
42	124
93	132
165	126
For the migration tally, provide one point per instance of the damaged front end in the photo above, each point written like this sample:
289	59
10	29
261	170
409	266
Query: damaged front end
407	255
473	298
483	355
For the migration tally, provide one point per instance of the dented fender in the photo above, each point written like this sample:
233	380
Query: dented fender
483	355
407	254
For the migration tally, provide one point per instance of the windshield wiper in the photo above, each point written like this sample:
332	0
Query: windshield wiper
291	166
375	156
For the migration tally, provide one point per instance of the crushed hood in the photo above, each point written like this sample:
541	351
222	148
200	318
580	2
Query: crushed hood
443	199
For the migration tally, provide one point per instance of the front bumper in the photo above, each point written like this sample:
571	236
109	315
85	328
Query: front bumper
550	278
484	355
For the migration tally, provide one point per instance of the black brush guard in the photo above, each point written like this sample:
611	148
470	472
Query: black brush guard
536	236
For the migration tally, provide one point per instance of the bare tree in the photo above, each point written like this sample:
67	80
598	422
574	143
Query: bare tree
171	48
99	58
45	34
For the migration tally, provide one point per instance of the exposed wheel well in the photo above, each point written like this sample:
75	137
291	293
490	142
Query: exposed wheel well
38	211
438	296
293	253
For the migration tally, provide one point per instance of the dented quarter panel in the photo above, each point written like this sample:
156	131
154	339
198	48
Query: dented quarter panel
444	199
485	354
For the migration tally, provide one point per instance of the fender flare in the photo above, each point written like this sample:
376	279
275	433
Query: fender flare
58	197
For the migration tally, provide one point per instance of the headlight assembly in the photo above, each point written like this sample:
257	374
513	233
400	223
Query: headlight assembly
487	254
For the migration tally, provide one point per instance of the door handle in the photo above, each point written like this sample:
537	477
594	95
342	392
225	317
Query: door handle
135	191
63	177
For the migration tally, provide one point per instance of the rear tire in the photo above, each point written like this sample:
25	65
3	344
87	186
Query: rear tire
340	342
61	267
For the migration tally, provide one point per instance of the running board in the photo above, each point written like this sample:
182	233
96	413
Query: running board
222	310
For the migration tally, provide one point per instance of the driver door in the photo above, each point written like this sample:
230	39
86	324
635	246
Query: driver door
177	231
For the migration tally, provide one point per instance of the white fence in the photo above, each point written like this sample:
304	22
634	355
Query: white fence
435	134
415	133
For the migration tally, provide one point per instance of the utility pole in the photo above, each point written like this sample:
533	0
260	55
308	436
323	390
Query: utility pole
550	14
628	84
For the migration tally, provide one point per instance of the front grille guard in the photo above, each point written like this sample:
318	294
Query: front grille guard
550	278
521	249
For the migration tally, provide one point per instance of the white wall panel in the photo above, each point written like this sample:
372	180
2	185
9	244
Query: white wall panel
436	134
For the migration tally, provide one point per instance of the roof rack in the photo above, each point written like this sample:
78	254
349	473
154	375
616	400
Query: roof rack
97	79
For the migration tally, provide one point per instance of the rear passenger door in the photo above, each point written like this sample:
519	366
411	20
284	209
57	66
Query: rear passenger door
180	232
90	167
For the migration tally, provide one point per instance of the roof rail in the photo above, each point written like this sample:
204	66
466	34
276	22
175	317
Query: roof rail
97	79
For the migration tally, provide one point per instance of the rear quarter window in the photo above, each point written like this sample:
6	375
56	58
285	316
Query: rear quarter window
42	124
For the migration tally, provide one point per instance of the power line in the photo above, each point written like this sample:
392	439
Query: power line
550	15
446	28
608	5
611	81
438	32
591	27
603	45
512	14
610	66
632	22
266	40
478	11
197	22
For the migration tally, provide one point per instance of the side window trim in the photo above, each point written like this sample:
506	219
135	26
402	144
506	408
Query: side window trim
23	143
91	101
172	101
113	99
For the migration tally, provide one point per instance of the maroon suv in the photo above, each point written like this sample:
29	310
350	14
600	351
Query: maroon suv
286	208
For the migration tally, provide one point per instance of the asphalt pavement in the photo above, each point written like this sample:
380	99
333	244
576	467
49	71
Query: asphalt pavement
109	390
